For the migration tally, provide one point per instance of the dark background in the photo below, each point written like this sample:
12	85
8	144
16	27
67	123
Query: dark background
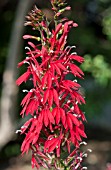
93	41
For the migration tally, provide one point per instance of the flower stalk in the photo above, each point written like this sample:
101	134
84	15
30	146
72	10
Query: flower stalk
55	130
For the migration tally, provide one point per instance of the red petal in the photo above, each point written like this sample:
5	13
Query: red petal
57	69
32	107
58	28
61	66
63	117
78	97
69	122
23	78
34	163
53	146
57	116
49	80
44	79
26	98
54	112
56	98
77	58
26	125
50	116
68	146
48	143
73	139
76	70
80	129
45	116
46	95
50	99
52	69
74	119
32	45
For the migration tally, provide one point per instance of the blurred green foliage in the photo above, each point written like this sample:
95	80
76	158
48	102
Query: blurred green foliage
100	70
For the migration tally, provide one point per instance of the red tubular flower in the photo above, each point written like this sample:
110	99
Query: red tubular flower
53	102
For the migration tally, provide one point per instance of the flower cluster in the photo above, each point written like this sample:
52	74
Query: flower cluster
56	121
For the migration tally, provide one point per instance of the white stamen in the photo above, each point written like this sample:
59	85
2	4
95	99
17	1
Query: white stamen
35	116
79	158
75	115
51	51
90	150
27	57
50	33
68	101
75	80
83	143
25	91
26	62
85	155
42	100
76	102
17	131
72	108
23	127
27	48
84	168
77	165
60	98
74	53
73	46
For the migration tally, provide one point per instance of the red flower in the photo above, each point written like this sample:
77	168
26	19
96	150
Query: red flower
53	102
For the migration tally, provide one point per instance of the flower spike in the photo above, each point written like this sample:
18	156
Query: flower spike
56	123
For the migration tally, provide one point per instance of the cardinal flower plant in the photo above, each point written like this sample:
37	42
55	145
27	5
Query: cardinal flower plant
55	128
